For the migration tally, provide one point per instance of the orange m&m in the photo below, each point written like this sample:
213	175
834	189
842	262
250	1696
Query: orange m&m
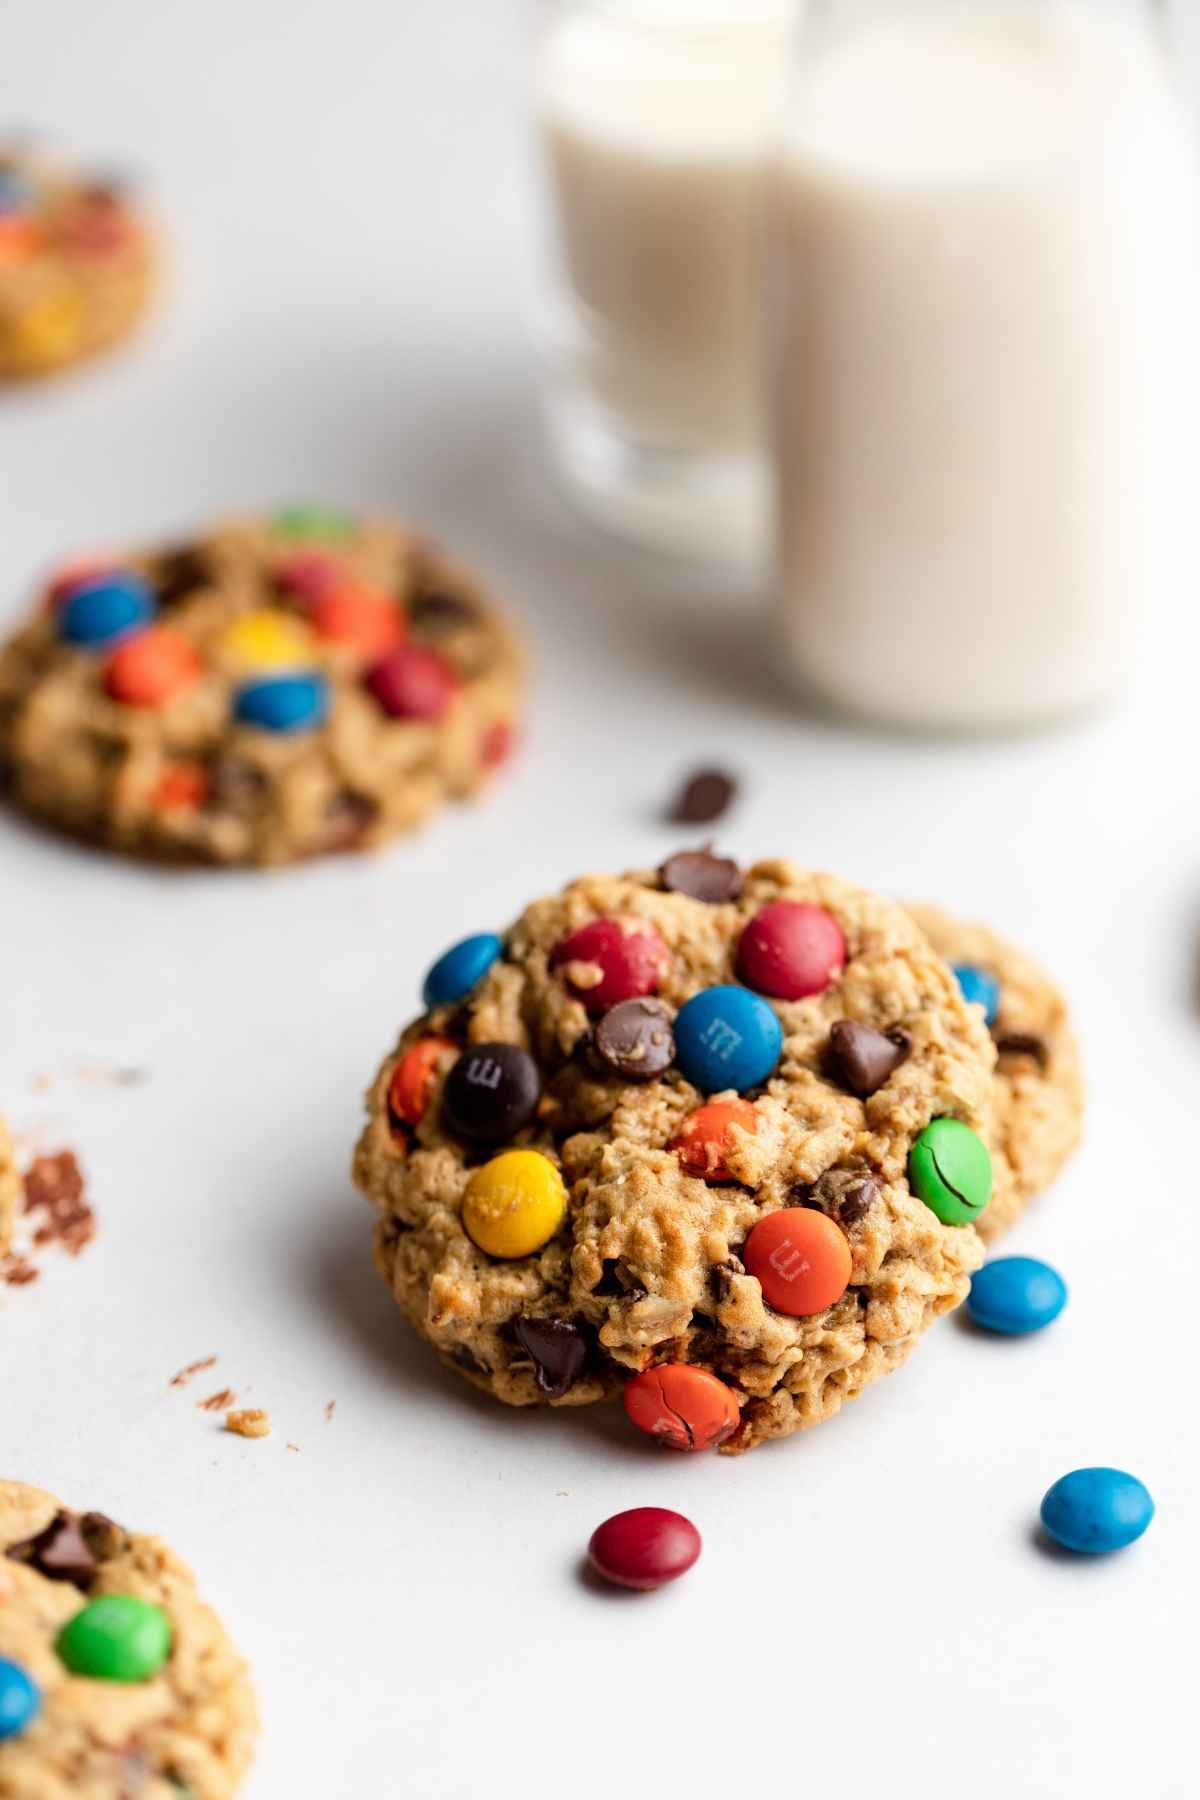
19	237
412	1079
800	1259
362	618
152	668
182	787
704	1140
683	1407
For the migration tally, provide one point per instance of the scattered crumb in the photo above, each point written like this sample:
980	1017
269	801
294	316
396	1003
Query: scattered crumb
18	1272
184	1375
329	1406
294	1447
563	1494
224	1397
54	1186
96	1074
250	1422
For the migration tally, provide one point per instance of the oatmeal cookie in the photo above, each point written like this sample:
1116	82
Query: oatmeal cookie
115	1678
76	264
1037	1107
271	691
573	1151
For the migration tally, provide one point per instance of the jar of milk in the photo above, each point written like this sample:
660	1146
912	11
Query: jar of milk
657	118
982	282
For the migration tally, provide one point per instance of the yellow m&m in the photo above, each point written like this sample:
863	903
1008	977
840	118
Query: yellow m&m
514	1204
47	331
267	640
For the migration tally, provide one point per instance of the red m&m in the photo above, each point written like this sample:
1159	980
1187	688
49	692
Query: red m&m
705	1139
611	960
800	1259
644	1547
682	1406
791	949
412	682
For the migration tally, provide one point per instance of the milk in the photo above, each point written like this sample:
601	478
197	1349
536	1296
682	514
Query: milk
983	292
657	118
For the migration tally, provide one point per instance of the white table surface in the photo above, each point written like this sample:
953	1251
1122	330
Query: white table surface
348	193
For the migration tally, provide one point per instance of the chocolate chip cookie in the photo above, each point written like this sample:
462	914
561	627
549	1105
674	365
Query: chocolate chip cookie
695	1119
1037	1108
76	264
270	691
115	1678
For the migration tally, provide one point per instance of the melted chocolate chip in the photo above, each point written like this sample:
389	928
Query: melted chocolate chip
1019	1043
847	1195
491	1092
635	1039
861	1059
70	1547
557	1349
704	797
702	876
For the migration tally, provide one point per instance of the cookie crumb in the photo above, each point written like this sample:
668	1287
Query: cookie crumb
184	1375
294	1447
329	1406
18	1272
218	1402
54	1186
250	1422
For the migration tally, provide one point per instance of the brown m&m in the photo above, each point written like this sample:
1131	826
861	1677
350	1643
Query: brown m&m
491	1092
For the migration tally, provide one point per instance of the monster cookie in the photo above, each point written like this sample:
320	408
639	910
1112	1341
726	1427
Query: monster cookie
10	1188
275	690
1037	1108
115	1679
708	1139
76	264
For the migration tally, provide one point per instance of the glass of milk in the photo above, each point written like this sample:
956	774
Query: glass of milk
982	294
657	118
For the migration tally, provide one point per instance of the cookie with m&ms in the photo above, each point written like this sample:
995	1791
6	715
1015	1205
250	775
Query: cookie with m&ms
1037	1109
268	691
77	263
711	1140
115	1677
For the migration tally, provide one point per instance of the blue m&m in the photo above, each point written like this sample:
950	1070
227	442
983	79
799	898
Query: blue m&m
283	703
1016	1294
460	968
1093	1511
107	607
19	1699
978	988
727	1037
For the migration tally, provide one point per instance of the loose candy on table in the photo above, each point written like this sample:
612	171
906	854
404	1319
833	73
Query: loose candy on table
1016	1294
265	639
106	608
460	969
791	949
610	960
727	1037
861	1059
705	1140
1093	1511
153	668
514	1204
491	1093
978	988
20	1700
413	682
283	703
682	1406
635	1039
413	1077
116	1637
644	1548
950	1169
801	1260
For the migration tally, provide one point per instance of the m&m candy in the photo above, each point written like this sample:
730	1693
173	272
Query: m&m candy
1093	1511
412	1079
705	1140
951	1171
20	1700
491	1092
514	1204
358	618
610	960
152	668
978	988
727	1037
791	949
316	522
685	1408
283	703
116	1637
461	968
1015	1295
106	608
413	682
644	1548
800	1259
267	640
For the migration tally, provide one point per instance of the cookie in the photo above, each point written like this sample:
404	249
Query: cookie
76	264
10	1188
272	691
1038	1101
714	1130
118	1679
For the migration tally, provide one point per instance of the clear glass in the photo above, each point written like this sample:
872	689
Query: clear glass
656	119
982	291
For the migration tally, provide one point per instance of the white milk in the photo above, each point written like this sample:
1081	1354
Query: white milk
657	120
983	290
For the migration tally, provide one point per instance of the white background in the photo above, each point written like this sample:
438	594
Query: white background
347	190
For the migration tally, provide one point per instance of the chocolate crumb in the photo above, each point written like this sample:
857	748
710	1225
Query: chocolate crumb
329	1406
184	1375
54	1186
847	1195
703	798
18	1272
224	1397
250	1422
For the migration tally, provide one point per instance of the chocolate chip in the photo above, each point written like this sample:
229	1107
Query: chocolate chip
723	1274
847	1195
704	797
617	1282
702	876
69	1547
466	1359
1018	1043
437	613
491	1092
558	1351
634	1038
861	1058
179	573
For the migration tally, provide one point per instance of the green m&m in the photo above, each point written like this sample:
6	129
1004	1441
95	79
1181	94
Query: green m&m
116	1637
312	523
951	1171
